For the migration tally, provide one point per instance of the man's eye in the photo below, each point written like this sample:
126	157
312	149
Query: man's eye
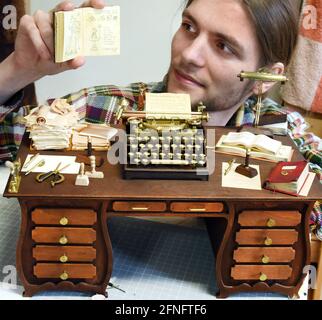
222	46
187	26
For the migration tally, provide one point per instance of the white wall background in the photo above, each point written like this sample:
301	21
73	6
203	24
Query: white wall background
147	27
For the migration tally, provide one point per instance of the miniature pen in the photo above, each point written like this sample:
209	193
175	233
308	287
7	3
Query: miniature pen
31	160
230	164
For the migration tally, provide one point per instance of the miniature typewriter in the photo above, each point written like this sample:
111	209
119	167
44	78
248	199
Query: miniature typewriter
165	148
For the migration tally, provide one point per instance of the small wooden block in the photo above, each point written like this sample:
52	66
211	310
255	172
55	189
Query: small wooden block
246	171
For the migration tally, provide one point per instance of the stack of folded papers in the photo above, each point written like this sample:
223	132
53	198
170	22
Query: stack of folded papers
51	126
99	135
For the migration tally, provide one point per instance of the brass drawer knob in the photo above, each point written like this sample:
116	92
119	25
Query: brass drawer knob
265	259
63	221
197	209
140	209
271	223
64	276
263	277
63	258
268	241
63	240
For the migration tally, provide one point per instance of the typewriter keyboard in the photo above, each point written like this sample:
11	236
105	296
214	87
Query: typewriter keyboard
171	148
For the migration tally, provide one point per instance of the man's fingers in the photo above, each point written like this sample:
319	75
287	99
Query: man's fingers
64	6
71	64
30	31
76	63
43	23
97	4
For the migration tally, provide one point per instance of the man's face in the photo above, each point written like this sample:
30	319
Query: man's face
214	43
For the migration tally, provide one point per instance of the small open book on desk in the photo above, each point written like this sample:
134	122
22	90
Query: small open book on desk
261	146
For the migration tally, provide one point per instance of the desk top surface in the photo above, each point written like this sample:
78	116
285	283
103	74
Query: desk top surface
114	187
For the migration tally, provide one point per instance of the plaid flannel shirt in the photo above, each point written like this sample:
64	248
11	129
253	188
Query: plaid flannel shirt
11	127
98	104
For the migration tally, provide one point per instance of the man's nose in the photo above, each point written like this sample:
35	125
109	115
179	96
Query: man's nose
195	52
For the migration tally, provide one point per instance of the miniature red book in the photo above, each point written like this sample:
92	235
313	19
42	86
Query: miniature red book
288	177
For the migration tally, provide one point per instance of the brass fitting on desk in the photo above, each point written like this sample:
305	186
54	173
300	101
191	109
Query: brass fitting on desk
15	179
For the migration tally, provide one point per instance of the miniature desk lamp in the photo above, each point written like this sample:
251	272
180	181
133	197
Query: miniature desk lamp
261	76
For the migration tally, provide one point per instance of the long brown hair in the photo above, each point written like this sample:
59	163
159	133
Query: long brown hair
277	25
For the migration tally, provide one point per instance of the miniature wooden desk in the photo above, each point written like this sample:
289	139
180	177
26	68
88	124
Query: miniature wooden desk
260	238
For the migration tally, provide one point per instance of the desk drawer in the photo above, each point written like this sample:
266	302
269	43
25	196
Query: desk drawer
64	235
64	253
139	206
64	271
266	237
64	217
260	273
269	218
196	207
264	255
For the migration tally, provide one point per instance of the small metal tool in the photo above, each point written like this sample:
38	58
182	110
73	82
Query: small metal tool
31	160
230	164
57	176
38	164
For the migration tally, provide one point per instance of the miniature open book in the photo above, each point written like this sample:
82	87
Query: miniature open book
87	32
260	146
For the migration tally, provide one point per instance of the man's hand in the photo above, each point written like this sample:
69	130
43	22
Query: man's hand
34	47
33	57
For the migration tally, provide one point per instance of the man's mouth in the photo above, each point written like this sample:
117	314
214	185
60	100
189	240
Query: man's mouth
185	79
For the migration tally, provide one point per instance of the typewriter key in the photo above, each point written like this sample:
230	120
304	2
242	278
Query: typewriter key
187	156
138	154
201	163
166	147
145	161
136	161
178	156
163	155
154	139
150	146
193	162
154	155
177	139
200	138
189	147
198	147
133	139
134	147
174	146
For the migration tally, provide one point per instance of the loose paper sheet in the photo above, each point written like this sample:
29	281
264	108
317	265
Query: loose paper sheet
236	180
51	162
307	185
168	105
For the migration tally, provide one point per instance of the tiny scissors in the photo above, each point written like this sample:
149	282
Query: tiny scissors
58	177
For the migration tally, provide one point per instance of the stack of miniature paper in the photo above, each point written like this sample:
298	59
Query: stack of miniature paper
51	126
100	136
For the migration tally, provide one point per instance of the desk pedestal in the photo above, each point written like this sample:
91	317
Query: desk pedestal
64	244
